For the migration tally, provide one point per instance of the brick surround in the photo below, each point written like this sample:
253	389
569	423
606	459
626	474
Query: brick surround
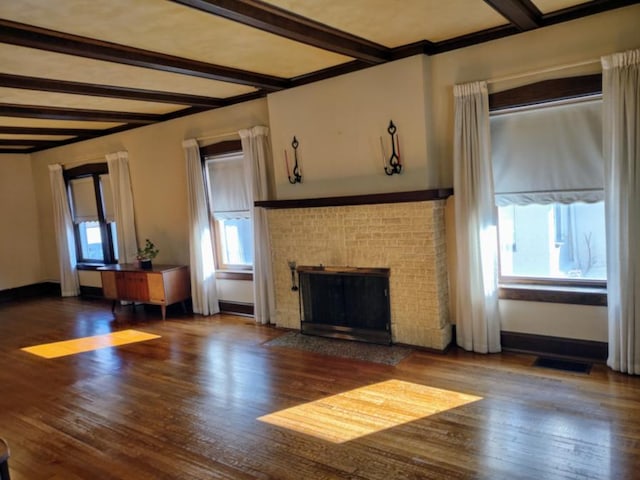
408	238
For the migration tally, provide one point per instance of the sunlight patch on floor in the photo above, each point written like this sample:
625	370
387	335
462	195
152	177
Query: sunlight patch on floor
366	410
87	344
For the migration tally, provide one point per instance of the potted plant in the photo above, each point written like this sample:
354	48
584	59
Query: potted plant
146	254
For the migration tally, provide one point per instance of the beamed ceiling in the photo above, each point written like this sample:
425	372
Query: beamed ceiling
71	70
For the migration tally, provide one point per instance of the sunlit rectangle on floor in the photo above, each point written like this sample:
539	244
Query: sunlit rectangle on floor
366	410
87	344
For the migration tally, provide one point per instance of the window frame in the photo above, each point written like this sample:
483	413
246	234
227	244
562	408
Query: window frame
583	292
224	271
93	171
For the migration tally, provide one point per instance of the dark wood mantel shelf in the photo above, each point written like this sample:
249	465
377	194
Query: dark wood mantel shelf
343	270
393	197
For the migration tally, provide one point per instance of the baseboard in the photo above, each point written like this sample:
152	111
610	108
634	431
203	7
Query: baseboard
570	348
91	292
238	308
42	289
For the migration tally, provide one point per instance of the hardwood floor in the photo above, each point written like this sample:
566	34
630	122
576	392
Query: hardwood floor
200	403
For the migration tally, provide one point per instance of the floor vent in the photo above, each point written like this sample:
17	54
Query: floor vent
566	365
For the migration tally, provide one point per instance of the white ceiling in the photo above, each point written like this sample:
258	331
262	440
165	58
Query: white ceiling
124	56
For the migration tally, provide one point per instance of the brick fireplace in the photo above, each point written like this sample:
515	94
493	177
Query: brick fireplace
406	236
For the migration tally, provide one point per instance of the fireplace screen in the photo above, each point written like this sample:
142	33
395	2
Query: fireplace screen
345	302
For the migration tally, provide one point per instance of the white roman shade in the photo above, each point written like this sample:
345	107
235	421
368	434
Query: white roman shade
548	154
228	191
84	199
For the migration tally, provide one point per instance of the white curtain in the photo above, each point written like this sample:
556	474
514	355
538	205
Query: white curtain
69	283
203	275
120	184
621	124
478	318
256	150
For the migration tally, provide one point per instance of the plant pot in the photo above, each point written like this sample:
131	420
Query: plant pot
146	264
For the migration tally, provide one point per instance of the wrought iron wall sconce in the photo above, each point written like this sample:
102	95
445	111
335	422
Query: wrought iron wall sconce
296	177
392	164
292	267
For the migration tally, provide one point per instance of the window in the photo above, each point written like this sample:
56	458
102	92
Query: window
548	179
230	206
91	205
553	241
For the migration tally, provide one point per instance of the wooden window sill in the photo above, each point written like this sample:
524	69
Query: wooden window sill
90	266
554	294
234	275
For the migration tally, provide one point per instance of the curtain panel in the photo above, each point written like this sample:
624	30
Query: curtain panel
621	123
203	276
122	204
65	239
256	149
478	318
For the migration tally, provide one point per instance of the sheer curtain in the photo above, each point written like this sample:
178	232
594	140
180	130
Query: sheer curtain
69	283
203	276
621	124
478	317
256	150
122	195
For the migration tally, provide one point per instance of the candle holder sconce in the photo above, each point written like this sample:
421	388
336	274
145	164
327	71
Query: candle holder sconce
292	267
392	164
296	177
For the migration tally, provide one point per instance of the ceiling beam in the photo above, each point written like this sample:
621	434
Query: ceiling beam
521	13
584	9
272	19
25	142
15	33
79	132
78	88
58	113
22	151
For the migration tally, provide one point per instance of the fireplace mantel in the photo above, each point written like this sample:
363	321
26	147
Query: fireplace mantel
344	270
373	199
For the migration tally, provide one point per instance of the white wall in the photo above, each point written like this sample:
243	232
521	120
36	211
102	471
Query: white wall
19	241
339	122
560	320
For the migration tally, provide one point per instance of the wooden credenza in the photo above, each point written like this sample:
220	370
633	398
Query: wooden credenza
162	285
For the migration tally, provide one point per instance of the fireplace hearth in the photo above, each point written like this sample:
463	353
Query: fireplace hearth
345	302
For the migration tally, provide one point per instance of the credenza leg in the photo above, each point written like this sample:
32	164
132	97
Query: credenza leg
113	306
164	311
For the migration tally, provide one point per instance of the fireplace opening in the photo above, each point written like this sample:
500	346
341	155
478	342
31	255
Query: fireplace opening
345	302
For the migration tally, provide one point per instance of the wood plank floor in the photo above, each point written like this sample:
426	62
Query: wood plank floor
208	400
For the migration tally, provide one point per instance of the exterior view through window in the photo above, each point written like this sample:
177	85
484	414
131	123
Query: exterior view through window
236	241
553	241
